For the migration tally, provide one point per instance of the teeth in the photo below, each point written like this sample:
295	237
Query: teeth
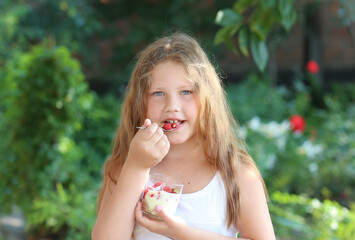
172	121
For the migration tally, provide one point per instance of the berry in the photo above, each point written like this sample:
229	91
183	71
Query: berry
145	192
157	184
167	189
167	126
173	125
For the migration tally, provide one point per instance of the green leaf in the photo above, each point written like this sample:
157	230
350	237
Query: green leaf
259	51
289	20
243	38
241	5
297	226
225	35
262	22
228	17
268	3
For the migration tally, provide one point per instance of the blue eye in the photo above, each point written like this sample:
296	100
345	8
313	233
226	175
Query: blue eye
158	94
186	92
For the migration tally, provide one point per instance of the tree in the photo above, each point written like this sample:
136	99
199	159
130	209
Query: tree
247	26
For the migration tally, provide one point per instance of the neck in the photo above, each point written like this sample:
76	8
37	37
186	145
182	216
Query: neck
185	152
181	157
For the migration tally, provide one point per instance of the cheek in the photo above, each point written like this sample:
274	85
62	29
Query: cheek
153	110
192	110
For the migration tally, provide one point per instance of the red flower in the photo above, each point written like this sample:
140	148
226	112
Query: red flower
312	67
298	124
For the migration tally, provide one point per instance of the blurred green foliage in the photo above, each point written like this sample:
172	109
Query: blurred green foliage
43	96
316	166
253	22
320	162
251	92
43	100
300	217
104	35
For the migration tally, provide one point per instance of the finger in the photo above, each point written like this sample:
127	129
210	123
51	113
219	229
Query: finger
157	136
147	122
138	210
163	145
163	215
145	221
150	130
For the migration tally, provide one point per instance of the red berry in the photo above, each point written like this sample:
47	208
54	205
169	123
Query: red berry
167	189
157	184
173	125
167	126
145	192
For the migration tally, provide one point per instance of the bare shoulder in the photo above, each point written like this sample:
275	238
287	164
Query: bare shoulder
250	181
254	218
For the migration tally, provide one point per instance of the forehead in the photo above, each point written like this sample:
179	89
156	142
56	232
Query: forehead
169	73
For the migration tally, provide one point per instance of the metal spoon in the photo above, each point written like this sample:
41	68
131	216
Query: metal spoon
161	128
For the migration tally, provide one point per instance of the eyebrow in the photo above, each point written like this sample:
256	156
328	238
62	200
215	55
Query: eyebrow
179	87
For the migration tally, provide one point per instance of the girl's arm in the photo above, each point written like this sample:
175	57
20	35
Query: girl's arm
115	219
254	218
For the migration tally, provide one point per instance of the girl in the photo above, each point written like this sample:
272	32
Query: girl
223	192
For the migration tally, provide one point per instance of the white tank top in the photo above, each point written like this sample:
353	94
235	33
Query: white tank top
204	209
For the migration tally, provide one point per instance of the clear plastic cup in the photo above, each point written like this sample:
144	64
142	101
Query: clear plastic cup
160	190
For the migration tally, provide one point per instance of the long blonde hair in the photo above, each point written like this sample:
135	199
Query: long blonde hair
216	128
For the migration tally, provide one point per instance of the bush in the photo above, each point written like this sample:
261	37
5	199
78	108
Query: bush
308	218
43	101
246	98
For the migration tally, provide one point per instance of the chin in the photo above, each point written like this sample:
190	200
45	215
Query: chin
179	140
176	141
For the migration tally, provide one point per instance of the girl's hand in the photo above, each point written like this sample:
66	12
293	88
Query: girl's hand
172	226
149	146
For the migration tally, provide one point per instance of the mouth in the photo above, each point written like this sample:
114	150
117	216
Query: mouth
173	123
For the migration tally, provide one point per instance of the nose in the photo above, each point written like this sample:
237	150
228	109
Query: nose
173	105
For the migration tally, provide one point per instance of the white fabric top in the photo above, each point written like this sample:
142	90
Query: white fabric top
204	209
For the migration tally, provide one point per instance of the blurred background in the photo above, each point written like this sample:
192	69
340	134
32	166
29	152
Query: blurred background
288	68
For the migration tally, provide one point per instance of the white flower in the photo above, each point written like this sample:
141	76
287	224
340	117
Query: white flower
310	149
272	129
270	161
255	123
313	167
316	203
281	142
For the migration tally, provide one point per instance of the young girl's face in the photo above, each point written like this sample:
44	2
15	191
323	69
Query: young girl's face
171	97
